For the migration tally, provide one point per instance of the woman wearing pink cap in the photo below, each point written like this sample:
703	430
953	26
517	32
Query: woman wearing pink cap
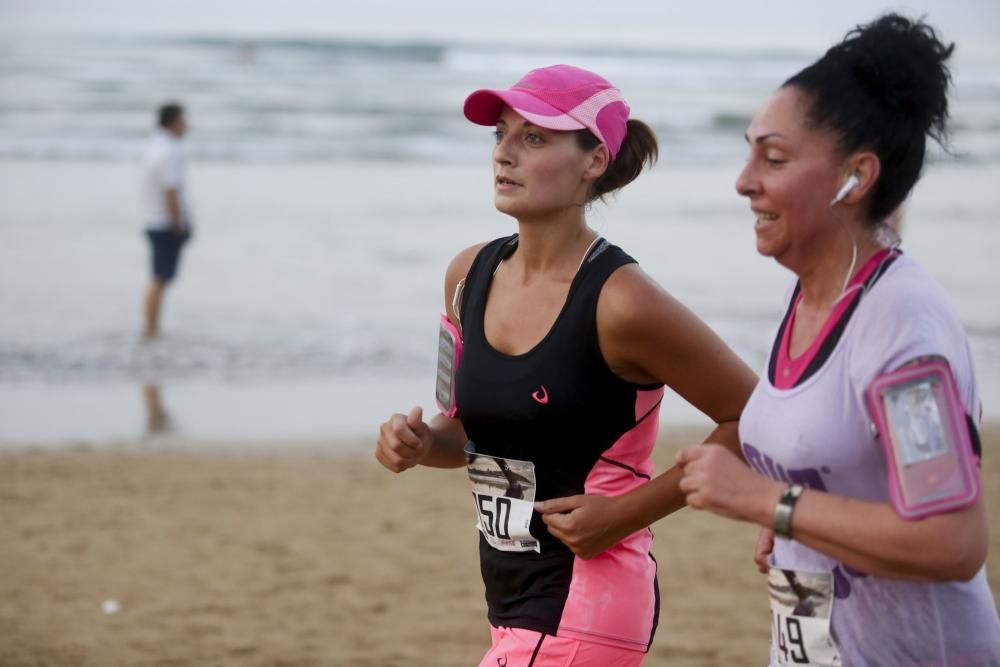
553	405
861	436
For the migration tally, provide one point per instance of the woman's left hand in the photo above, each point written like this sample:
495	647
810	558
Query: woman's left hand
585	524
761	554
715	479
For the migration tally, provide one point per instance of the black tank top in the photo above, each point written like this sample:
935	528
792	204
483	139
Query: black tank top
557	405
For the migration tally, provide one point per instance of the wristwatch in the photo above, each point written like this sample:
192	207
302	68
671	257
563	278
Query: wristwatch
783	510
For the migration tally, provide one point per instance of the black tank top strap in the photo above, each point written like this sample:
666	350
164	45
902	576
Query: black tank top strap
603	260
477	280
581	306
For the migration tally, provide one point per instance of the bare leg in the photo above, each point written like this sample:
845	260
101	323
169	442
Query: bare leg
154	298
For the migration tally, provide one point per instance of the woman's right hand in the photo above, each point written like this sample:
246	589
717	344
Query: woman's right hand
765	545
404	441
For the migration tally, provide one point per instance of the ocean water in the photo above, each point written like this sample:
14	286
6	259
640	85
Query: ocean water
332	181
273	98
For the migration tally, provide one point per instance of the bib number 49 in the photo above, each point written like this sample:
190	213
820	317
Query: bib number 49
494	514
789	640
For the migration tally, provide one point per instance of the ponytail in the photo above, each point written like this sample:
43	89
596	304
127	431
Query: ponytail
638	150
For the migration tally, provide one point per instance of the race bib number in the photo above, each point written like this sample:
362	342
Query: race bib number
503	491
801	606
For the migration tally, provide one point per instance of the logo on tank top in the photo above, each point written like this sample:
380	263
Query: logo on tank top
808	477
811	478
541	396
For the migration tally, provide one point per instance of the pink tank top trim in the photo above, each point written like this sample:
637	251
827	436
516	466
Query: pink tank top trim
611	597
787	371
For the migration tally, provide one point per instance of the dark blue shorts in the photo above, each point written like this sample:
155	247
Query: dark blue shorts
167	245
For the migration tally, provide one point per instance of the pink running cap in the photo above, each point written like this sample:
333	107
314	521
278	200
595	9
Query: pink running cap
559	97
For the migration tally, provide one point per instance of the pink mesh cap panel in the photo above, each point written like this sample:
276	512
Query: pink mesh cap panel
606	115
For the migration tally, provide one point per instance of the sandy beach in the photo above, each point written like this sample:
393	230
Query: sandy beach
291	555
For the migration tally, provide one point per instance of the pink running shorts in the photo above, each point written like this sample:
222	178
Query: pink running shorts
516	647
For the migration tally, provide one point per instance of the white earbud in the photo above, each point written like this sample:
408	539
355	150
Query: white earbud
850	184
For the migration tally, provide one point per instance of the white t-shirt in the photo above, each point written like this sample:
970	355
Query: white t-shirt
164	168
818	434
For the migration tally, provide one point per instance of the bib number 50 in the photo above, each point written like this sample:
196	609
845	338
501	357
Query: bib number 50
494	514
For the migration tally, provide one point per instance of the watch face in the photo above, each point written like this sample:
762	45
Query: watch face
792	493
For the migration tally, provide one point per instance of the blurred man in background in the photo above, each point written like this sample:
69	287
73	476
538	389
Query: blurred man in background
167	211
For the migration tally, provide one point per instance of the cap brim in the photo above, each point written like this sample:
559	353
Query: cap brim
483	107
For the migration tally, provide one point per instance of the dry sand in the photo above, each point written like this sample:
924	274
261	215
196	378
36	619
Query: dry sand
294	556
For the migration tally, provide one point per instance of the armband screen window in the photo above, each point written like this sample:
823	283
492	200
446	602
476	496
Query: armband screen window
449	353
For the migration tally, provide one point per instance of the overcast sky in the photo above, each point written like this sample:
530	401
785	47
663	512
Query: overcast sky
778	24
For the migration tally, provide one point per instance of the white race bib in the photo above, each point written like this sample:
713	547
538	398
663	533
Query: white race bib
503	491
801	607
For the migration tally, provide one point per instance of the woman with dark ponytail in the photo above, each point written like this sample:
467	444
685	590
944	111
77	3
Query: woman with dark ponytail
553	406
861	437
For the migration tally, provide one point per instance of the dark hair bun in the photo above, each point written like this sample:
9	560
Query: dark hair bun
902	64
883	88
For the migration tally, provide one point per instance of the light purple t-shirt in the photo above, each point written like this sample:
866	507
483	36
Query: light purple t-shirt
818	434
